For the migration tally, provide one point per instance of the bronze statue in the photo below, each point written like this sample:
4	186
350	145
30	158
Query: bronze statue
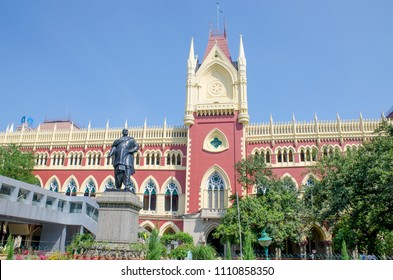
123	150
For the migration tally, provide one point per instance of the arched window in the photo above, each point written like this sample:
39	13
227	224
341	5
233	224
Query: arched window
71	188
150	196
285	156
215	188
178	159
132	187
90	189
267	157
261	190
109	185
290	154
279	156
137	159
288	183
173	159
171	197
54	186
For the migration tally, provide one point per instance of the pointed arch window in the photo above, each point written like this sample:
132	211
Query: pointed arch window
267	157
261	190
54	186
71	188
132	188
90	188
215	190
279	156
109	185
288	183
171	197
150	196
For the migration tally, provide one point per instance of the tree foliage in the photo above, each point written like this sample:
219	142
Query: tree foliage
17	164
355	194
277	209
155	249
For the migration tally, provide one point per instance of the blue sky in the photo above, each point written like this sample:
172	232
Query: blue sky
78	59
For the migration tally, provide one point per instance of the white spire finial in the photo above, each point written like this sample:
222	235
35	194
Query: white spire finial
126	124
107	124
191	55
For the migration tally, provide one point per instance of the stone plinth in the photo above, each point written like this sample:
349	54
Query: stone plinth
118	217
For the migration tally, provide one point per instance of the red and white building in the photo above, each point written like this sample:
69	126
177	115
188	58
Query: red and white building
185	174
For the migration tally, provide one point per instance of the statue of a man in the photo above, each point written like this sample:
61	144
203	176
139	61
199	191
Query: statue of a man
123	150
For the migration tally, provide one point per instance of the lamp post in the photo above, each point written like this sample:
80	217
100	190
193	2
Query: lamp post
265	241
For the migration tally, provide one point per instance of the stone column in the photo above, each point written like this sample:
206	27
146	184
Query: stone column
118	218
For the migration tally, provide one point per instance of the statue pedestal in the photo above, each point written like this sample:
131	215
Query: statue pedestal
118	217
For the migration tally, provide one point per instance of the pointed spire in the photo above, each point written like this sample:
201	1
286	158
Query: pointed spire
293	117
271	118
360	116
126	124
191	55
145	124
315	117
11	128
338	116
192	60
165	121
383	115
8	128
241	48
107	124
89	125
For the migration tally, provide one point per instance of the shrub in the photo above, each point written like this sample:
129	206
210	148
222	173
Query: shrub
203	252
181	251
248	250
80	242
178	236
155	249
10	247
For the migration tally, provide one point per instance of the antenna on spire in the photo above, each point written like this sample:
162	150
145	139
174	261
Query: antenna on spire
218	16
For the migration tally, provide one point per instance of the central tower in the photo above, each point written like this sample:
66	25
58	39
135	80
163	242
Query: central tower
216	113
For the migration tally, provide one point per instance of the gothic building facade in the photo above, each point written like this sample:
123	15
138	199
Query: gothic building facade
185	174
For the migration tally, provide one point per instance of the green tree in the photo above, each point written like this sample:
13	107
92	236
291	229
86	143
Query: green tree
17	164
248	252
344	253
155	249
354	194
276	208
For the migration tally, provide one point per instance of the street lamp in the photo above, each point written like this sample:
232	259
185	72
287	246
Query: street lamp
265	241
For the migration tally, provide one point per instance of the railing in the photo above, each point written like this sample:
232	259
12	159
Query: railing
348	129
94	137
